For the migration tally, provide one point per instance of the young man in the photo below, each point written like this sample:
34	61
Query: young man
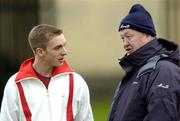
45	88
150	89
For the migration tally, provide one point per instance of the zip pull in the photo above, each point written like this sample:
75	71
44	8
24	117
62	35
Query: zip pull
47	92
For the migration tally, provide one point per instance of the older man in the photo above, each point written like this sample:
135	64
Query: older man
150	89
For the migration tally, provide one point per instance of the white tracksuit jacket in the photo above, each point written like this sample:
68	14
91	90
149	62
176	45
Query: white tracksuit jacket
27	99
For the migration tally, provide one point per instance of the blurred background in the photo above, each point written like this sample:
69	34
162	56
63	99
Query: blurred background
91	30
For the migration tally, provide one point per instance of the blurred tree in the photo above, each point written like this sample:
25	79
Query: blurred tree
17	17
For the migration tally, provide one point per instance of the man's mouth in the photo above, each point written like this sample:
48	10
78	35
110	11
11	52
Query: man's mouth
128	50
61	59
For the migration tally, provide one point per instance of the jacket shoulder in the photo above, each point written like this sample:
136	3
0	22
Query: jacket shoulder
160	62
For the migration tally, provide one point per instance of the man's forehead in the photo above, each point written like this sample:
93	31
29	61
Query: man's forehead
126	31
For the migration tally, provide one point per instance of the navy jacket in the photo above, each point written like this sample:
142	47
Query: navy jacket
150	89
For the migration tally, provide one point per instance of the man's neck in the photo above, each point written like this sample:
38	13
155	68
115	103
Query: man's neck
42	68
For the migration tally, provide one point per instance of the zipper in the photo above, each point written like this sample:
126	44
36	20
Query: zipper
47	97
47	93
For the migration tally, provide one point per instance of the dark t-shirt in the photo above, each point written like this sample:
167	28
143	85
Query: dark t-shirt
45	80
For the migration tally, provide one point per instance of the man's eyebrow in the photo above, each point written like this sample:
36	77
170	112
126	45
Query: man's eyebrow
124	34
62	44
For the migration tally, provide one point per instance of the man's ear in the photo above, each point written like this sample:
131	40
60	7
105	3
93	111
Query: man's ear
39	51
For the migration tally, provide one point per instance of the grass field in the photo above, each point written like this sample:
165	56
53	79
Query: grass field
101	109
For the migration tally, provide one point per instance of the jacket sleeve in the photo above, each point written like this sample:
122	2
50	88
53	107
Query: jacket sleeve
9	107
84	111
164	95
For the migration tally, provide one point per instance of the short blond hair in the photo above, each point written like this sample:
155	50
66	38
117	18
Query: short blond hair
41	34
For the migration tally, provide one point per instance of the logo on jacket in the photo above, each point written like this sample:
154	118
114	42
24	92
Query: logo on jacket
163	86
134	82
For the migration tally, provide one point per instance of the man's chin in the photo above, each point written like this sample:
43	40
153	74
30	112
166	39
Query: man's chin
129	52
61	64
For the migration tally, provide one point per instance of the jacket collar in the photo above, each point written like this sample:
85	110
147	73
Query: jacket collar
140	56
26	70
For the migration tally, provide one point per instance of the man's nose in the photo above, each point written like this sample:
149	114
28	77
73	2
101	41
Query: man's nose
125	42
64	51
